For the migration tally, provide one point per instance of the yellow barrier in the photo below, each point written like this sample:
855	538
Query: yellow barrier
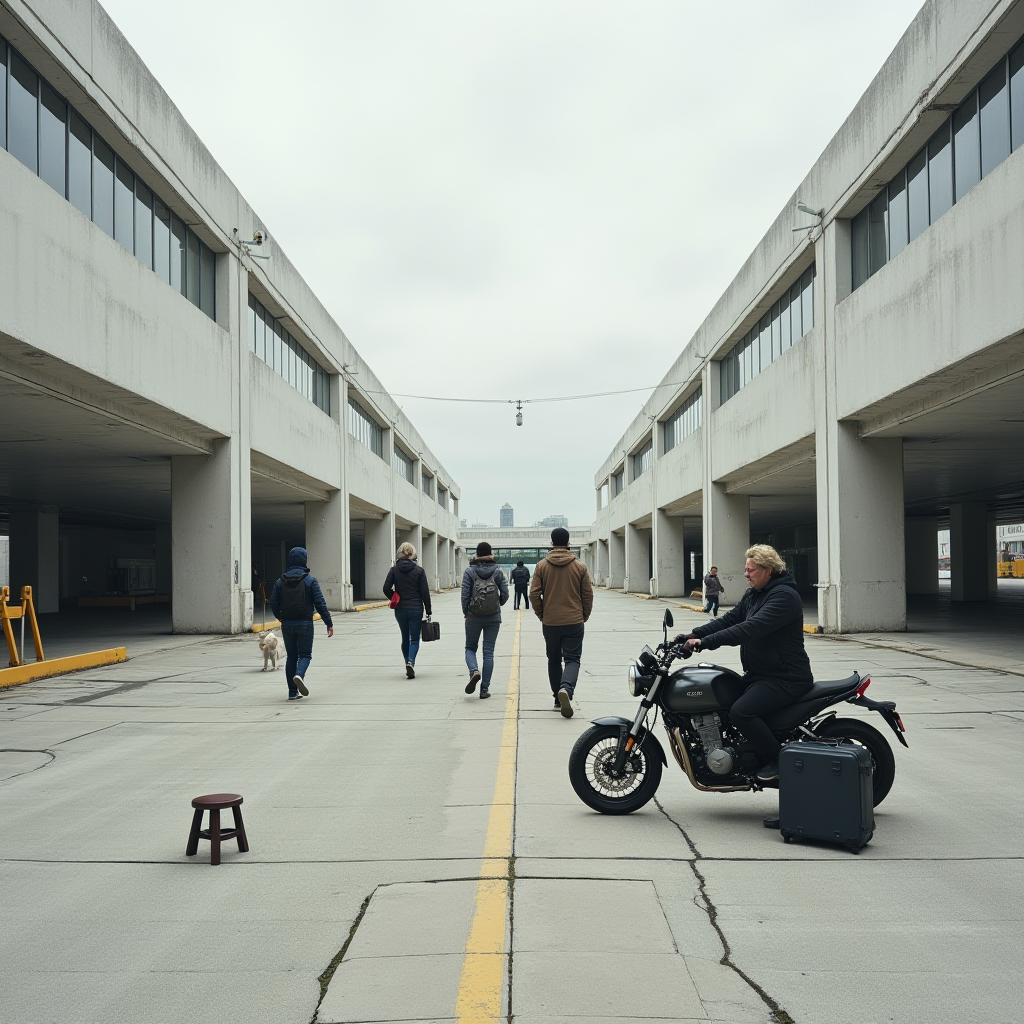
59	666
26	611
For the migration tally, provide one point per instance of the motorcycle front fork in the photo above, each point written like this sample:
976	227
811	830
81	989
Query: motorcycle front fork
628	740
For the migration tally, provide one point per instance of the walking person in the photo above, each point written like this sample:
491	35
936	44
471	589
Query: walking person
713	590
520	577
484	591
409	581
296	595
563	598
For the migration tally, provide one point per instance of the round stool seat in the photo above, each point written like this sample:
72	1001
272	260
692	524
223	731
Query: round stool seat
217	801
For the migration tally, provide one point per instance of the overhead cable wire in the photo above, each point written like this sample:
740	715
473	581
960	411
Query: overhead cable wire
513	401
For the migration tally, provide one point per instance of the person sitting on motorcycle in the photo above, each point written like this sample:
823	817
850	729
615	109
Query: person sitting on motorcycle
767	623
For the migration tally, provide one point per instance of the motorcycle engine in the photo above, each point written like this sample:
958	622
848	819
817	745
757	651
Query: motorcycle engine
719	758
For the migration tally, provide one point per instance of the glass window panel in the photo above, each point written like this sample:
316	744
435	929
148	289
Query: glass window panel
192	290
898	214
143	224
940	173
794	313
279	351
1017	96
252	323
124	206
260	339
807	300
208	281
784	324
53	126
764	355
102	185
161	240
23	104
878	231
3	94
966	147
917	194
776	332
80	164
859	244
178	274
994	99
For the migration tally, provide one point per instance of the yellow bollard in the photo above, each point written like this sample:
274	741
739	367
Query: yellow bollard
26	611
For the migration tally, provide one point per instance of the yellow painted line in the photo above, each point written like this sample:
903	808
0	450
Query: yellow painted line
484	967
58	666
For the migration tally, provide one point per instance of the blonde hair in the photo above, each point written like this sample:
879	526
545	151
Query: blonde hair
764	556
407	551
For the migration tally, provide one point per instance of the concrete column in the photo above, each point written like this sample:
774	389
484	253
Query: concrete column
970	551
443	565
380	554
601	575
638	574
325	543
451	563
922	547
35	556
428	558
210	557
669	562
726	537
616	561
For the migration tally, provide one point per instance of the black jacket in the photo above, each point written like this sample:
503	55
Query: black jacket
410	581
768	624
520	577
314	595
483	568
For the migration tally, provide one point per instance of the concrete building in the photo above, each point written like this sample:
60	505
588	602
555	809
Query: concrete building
507	516
179	407
552	521
861	381
528	544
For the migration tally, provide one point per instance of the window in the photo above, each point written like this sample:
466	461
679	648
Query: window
643	459
425	484
940	173
685	420
966	147
364	428
602	496
994	101
268	337
917	194
617	481
402	463
442	497
1016	70
898	238
39	128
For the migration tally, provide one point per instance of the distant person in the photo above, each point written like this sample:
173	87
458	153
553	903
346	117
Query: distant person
409	581
520	577
713	590
484	591
562	599
293	600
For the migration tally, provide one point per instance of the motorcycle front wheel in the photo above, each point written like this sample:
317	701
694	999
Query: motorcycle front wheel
590	765
852	730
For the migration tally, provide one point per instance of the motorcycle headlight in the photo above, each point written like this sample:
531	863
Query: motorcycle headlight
638	683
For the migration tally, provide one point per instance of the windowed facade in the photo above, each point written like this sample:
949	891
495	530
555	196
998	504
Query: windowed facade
602	496
402	463
790	319
975	139
365	429
442	497
427	484
684	421
617	482
285	356
40	128
643	459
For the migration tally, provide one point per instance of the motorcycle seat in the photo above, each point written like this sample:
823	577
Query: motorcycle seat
830	688
820	695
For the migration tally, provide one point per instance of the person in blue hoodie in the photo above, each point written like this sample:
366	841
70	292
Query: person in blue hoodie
484	591
296	595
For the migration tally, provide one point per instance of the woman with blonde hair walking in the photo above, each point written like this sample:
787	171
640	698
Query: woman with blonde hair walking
408	582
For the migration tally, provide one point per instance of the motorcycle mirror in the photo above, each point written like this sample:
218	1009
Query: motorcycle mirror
669	621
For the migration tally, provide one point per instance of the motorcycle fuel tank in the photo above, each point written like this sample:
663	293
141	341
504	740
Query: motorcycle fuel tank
702	688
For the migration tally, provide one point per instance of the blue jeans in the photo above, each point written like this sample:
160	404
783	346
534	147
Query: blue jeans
409	624
298	643
474	627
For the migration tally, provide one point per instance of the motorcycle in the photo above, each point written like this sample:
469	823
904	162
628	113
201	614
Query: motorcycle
615	766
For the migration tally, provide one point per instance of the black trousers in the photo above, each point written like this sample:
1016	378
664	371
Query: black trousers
760	699
564	644
521	593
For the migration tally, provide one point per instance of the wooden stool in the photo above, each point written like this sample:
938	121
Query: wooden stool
215	803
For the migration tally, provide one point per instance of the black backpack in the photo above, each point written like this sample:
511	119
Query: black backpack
485	599
294	600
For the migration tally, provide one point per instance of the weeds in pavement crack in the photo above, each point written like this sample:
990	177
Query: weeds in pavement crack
325	978
709	908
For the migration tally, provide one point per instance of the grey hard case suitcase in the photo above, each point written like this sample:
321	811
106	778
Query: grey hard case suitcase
825	792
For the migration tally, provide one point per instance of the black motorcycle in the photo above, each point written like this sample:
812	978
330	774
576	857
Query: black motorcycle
615	766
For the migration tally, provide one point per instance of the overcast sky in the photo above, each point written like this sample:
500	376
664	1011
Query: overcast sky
516	200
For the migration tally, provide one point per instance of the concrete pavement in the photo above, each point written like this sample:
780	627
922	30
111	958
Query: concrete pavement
367	807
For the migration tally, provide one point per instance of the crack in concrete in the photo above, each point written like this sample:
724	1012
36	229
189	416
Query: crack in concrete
328	973
27	750
709	908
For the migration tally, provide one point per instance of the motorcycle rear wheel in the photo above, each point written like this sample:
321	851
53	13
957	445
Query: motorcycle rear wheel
593	754
852	730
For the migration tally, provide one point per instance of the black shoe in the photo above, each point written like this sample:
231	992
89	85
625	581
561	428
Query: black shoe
474	678
295	696
557	706
769	773
565	703
410	672
484	693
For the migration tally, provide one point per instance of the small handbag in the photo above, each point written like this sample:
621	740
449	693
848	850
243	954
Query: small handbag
430	631
393	603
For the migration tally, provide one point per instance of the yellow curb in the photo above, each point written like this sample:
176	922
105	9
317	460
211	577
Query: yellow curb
372	604
273	624
812	629
59	666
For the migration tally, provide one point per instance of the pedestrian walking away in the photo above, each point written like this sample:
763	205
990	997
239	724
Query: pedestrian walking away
713	590
408	581
296	595
563	598
520	577
484	591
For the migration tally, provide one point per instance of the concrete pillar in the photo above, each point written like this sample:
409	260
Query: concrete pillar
210	555
325	544
669	561
164	569
970	551
922	547
443	565
601	575
35	556
637	577
379	547
616	561
726	538
428	558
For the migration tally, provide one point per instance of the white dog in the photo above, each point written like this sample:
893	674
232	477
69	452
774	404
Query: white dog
270	645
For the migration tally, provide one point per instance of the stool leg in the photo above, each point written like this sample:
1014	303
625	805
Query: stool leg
215	835
193	835
243	839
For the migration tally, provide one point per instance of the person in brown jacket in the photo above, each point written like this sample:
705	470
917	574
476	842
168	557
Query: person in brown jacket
562	598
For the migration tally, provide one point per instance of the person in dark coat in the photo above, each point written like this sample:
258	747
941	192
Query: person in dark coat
520	577
713	591
409	581
768	626
482	569
294	605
